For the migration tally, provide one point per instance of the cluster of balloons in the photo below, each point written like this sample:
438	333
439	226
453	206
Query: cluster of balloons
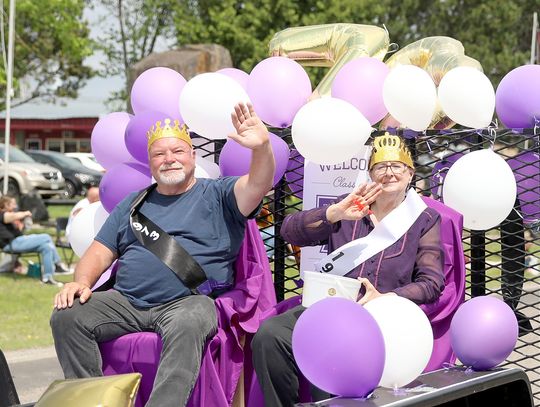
386	343
389	341
205	103
325	130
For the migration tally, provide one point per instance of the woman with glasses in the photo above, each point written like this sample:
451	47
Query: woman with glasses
407	262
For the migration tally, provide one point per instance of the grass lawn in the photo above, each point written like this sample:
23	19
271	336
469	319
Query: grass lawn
26	303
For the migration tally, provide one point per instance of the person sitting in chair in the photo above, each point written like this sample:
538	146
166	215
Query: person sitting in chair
175	243
12	239
409	265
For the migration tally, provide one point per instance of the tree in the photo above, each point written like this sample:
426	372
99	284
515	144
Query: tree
50	47
130	32
245	28
496	33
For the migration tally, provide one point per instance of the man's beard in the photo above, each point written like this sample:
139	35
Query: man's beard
177	176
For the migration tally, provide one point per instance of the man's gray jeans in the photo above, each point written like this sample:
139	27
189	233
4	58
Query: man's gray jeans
184	326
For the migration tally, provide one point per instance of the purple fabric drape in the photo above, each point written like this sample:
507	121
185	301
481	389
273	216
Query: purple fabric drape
239	314
440	312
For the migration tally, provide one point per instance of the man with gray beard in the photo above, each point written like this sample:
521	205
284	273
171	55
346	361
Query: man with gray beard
206	218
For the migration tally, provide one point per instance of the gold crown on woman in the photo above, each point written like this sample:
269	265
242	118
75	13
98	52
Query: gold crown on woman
157	132
390	148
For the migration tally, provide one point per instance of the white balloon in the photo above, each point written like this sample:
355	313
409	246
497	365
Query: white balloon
85	226
480	185
204	168
207	101
329	130
467	97
408	338
410	96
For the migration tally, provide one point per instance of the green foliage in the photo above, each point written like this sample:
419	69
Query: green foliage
496	33
138	26
51	42
26	306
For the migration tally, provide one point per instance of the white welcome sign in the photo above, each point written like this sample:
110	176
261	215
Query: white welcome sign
323	184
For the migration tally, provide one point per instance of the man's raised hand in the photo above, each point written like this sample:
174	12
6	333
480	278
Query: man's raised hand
250	130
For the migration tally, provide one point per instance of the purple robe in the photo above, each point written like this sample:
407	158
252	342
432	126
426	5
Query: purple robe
412	267
239	314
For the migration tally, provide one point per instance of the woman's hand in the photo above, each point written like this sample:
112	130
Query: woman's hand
355	205
371	291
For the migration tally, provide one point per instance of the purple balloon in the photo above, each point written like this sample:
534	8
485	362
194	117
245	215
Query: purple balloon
483	332
339	347
526	168
295	173
157	89
278	87
107	140
517	99
121	180
237	74
135	137
360	82
235	159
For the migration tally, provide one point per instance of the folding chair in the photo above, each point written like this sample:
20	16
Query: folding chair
61	241
17	254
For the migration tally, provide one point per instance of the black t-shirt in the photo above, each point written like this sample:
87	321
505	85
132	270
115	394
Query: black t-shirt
8	232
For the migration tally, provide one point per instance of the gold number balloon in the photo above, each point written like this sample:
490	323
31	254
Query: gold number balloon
435	55
329	45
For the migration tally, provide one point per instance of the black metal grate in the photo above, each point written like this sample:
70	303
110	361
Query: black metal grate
502	261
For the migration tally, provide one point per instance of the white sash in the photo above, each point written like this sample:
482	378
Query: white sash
394	225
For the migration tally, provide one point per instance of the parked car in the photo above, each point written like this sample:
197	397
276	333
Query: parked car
26	175
88	160
78	177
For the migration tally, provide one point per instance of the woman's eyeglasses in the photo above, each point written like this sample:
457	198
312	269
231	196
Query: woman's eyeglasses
397	168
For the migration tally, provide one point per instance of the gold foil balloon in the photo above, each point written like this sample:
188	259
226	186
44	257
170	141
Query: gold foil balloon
329	45
117	391
435	55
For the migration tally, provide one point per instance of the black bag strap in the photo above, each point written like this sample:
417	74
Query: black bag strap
164	246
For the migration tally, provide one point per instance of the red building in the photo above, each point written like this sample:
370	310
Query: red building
64	135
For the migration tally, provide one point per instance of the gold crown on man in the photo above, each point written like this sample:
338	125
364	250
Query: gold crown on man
390	148
157	132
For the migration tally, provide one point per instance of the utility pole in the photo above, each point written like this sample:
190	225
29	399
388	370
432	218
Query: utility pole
534	40
9	74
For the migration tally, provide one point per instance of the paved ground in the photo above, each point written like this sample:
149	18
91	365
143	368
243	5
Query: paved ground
33	371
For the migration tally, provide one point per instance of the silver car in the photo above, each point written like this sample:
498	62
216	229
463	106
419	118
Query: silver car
25	175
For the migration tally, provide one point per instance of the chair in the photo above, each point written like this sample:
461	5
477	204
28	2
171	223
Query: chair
15	255
61	242
239	314
440	313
